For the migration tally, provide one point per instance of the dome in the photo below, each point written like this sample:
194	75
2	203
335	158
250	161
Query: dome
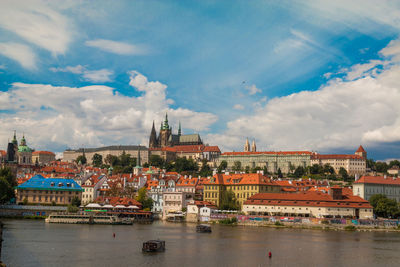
24	149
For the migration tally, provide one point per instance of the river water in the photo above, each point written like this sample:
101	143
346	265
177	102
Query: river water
35	243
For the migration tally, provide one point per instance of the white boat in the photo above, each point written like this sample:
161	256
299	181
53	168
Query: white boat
74	218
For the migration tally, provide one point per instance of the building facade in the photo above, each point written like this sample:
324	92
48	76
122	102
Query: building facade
310	204
285	160
40	190
242	185
71	155
367	186
353	164
43	157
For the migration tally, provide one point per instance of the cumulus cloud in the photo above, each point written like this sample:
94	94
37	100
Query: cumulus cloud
20	53
96	76
56	117
238	107
252	89
37	23
115	47
341	114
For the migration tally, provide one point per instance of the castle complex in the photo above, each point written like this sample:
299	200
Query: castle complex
167	139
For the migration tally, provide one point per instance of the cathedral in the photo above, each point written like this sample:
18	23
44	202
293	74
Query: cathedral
167	139
21	154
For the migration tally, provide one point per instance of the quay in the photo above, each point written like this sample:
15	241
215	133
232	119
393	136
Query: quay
73	218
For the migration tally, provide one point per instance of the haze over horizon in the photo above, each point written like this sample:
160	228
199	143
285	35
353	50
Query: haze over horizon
293	75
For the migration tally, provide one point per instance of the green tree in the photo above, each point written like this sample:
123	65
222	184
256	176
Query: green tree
97	160
185	165
237	166
394	163
111	160
247	169
370	164
156	161
343	174
205	169
76	201
147	202
228	201
72	208
280	175
299	172
381	167
82	159
384	207
7	184
328	169
316	169
222	166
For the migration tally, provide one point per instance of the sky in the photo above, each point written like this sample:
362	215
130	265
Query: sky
292	75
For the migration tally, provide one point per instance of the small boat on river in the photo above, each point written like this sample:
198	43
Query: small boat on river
203	228
154	246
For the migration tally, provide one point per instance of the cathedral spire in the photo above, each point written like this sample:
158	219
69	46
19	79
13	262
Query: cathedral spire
165	125
153	137
14	141
247	146
253	146
180	129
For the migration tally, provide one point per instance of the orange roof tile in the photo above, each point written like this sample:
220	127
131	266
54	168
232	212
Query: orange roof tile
378	180
360	149
267	153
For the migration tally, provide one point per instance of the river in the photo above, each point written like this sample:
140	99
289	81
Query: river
35	243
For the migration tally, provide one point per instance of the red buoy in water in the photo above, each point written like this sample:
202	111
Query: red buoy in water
114	236
270	254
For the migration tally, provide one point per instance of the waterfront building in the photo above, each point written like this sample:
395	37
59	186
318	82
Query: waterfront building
334	204
186	184
368	186
156	188
43	157
91	187
174	202
40	190
242	185
286	161
354	164
395	170
195	212
71	155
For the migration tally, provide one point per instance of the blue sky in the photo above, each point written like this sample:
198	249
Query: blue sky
292	75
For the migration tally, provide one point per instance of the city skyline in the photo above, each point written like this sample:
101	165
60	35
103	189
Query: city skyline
292	75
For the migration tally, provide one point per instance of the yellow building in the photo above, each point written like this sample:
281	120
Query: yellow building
242	185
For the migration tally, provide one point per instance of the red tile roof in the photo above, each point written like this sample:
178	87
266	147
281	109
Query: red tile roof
3	153
378	180
119	201
268	153
43	153
307	199
240	179
335	156
212	149
360	149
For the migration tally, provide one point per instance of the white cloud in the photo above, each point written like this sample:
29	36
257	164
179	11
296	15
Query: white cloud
252	89
238	107
100	76
37	23
20	53
96	76
54	117
119	48
341	114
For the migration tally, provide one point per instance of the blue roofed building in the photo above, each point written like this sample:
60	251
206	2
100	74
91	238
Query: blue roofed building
40	190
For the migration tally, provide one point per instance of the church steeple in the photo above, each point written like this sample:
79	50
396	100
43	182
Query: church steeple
253	146
165	125
153	137
247	146
180	129
14	141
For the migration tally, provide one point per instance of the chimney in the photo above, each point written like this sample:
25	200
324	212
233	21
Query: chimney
336	192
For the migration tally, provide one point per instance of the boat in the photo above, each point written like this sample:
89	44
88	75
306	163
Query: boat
203	228
154	246
74	218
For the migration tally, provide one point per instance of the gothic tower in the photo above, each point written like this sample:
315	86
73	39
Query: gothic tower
247	146
153	138
165	132
253	146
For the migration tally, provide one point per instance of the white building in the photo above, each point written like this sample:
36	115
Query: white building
91	188
368	186
175	201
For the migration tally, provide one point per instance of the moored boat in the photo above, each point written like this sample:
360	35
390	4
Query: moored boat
203	228
73	218
154	246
